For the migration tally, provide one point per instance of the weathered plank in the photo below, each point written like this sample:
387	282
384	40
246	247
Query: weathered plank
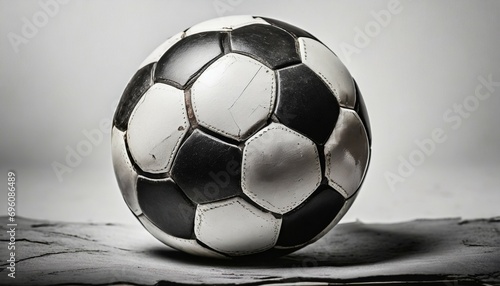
444	251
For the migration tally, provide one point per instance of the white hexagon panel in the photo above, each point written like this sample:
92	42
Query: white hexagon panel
347	152
234	96
235	227
156	127
280	168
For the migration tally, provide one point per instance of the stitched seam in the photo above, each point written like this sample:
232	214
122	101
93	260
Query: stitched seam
130	167
247	23
125	155
333	90
305	49
183	108
342	117
330	85
157	53
330	180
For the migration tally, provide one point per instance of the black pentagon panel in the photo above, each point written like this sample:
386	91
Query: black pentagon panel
311	217
164	204
270	45
208	169
297	32
360	109
305	103
137	86
184	59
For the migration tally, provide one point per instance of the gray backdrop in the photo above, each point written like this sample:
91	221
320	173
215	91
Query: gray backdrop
428	70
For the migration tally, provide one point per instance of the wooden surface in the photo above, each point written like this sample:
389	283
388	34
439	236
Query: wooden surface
445	252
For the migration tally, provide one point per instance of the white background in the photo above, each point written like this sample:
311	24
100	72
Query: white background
68	75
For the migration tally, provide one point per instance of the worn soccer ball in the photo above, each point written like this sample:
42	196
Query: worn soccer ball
241	136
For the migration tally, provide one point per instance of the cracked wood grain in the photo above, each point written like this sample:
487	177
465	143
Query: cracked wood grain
441	252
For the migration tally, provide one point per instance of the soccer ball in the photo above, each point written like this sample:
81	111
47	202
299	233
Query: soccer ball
241	136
